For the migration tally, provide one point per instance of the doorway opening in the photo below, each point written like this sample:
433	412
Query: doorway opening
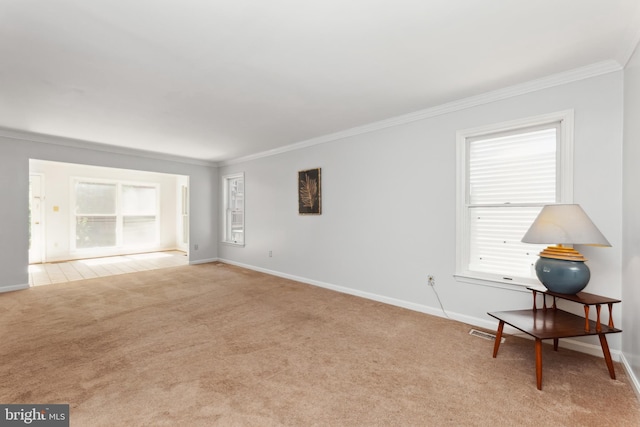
82	212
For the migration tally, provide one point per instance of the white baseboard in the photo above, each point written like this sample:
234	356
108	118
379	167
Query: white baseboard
375	297
635	383
592	349
12	288
204	261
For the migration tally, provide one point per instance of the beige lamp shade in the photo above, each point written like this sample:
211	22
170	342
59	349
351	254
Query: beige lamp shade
564	224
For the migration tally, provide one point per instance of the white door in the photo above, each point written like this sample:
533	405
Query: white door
36	228
184	213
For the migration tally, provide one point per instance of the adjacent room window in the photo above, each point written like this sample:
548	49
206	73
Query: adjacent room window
233	193
115	214
506	174
139	215
96	217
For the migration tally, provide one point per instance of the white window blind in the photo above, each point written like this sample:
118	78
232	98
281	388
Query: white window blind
509	175
519	168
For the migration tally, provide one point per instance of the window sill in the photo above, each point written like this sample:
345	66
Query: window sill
240	245
519	286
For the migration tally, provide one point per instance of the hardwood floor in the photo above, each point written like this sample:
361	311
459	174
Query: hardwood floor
59	272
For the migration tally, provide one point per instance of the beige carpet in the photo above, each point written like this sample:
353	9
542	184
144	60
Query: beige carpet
219	345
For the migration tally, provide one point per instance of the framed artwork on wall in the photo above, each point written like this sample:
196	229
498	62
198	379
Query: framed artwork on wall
309	192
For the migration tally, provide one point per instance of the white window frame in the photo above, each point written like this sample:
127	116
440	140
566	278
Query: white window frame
227	213
119	215
564	189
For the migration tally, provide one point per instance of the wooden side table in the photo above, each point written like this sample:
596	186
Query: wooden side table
553	323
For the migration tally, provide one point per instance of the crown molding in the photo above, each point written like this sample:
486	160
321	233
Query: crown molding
113	149
570	76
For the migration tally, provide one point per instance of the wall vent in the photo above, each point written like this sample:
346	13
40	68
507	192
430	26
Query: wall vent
485	335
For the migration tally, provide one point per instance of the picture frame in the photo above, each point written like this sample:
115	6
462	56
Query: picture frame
310	192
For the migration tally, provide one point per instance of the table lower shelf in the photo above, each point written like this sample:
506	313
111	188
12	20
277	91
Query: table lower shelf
553	324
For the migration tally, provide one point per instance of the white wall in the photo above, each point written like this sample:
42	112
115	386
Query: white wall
57	185
631	223
389	208
17	148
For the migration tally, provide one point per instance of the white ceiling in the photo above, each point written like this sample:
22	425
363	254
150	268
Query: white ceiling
221	79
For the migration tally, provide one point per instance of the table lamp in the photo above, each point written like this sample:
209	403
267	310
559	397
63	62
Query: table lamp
562	269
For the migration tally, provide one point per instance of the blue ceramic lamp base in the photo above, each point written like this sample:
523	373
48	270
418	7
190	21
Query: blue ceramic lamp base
563	276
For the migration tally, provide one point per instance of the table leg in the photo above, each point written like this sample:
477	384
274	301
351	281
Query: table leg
555	344
539	363
586	317
607	355
496	345
610	315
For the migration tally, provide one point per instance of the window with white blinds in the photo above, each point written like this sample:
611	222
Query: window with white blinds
234	209
115	214
507	175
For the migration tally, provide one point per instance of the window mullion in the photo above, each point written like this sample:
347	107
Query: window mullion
504	205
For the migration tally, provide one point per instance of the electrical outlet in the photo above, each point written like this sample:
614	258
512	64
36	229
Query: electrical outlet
195	247
270	254
431	281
